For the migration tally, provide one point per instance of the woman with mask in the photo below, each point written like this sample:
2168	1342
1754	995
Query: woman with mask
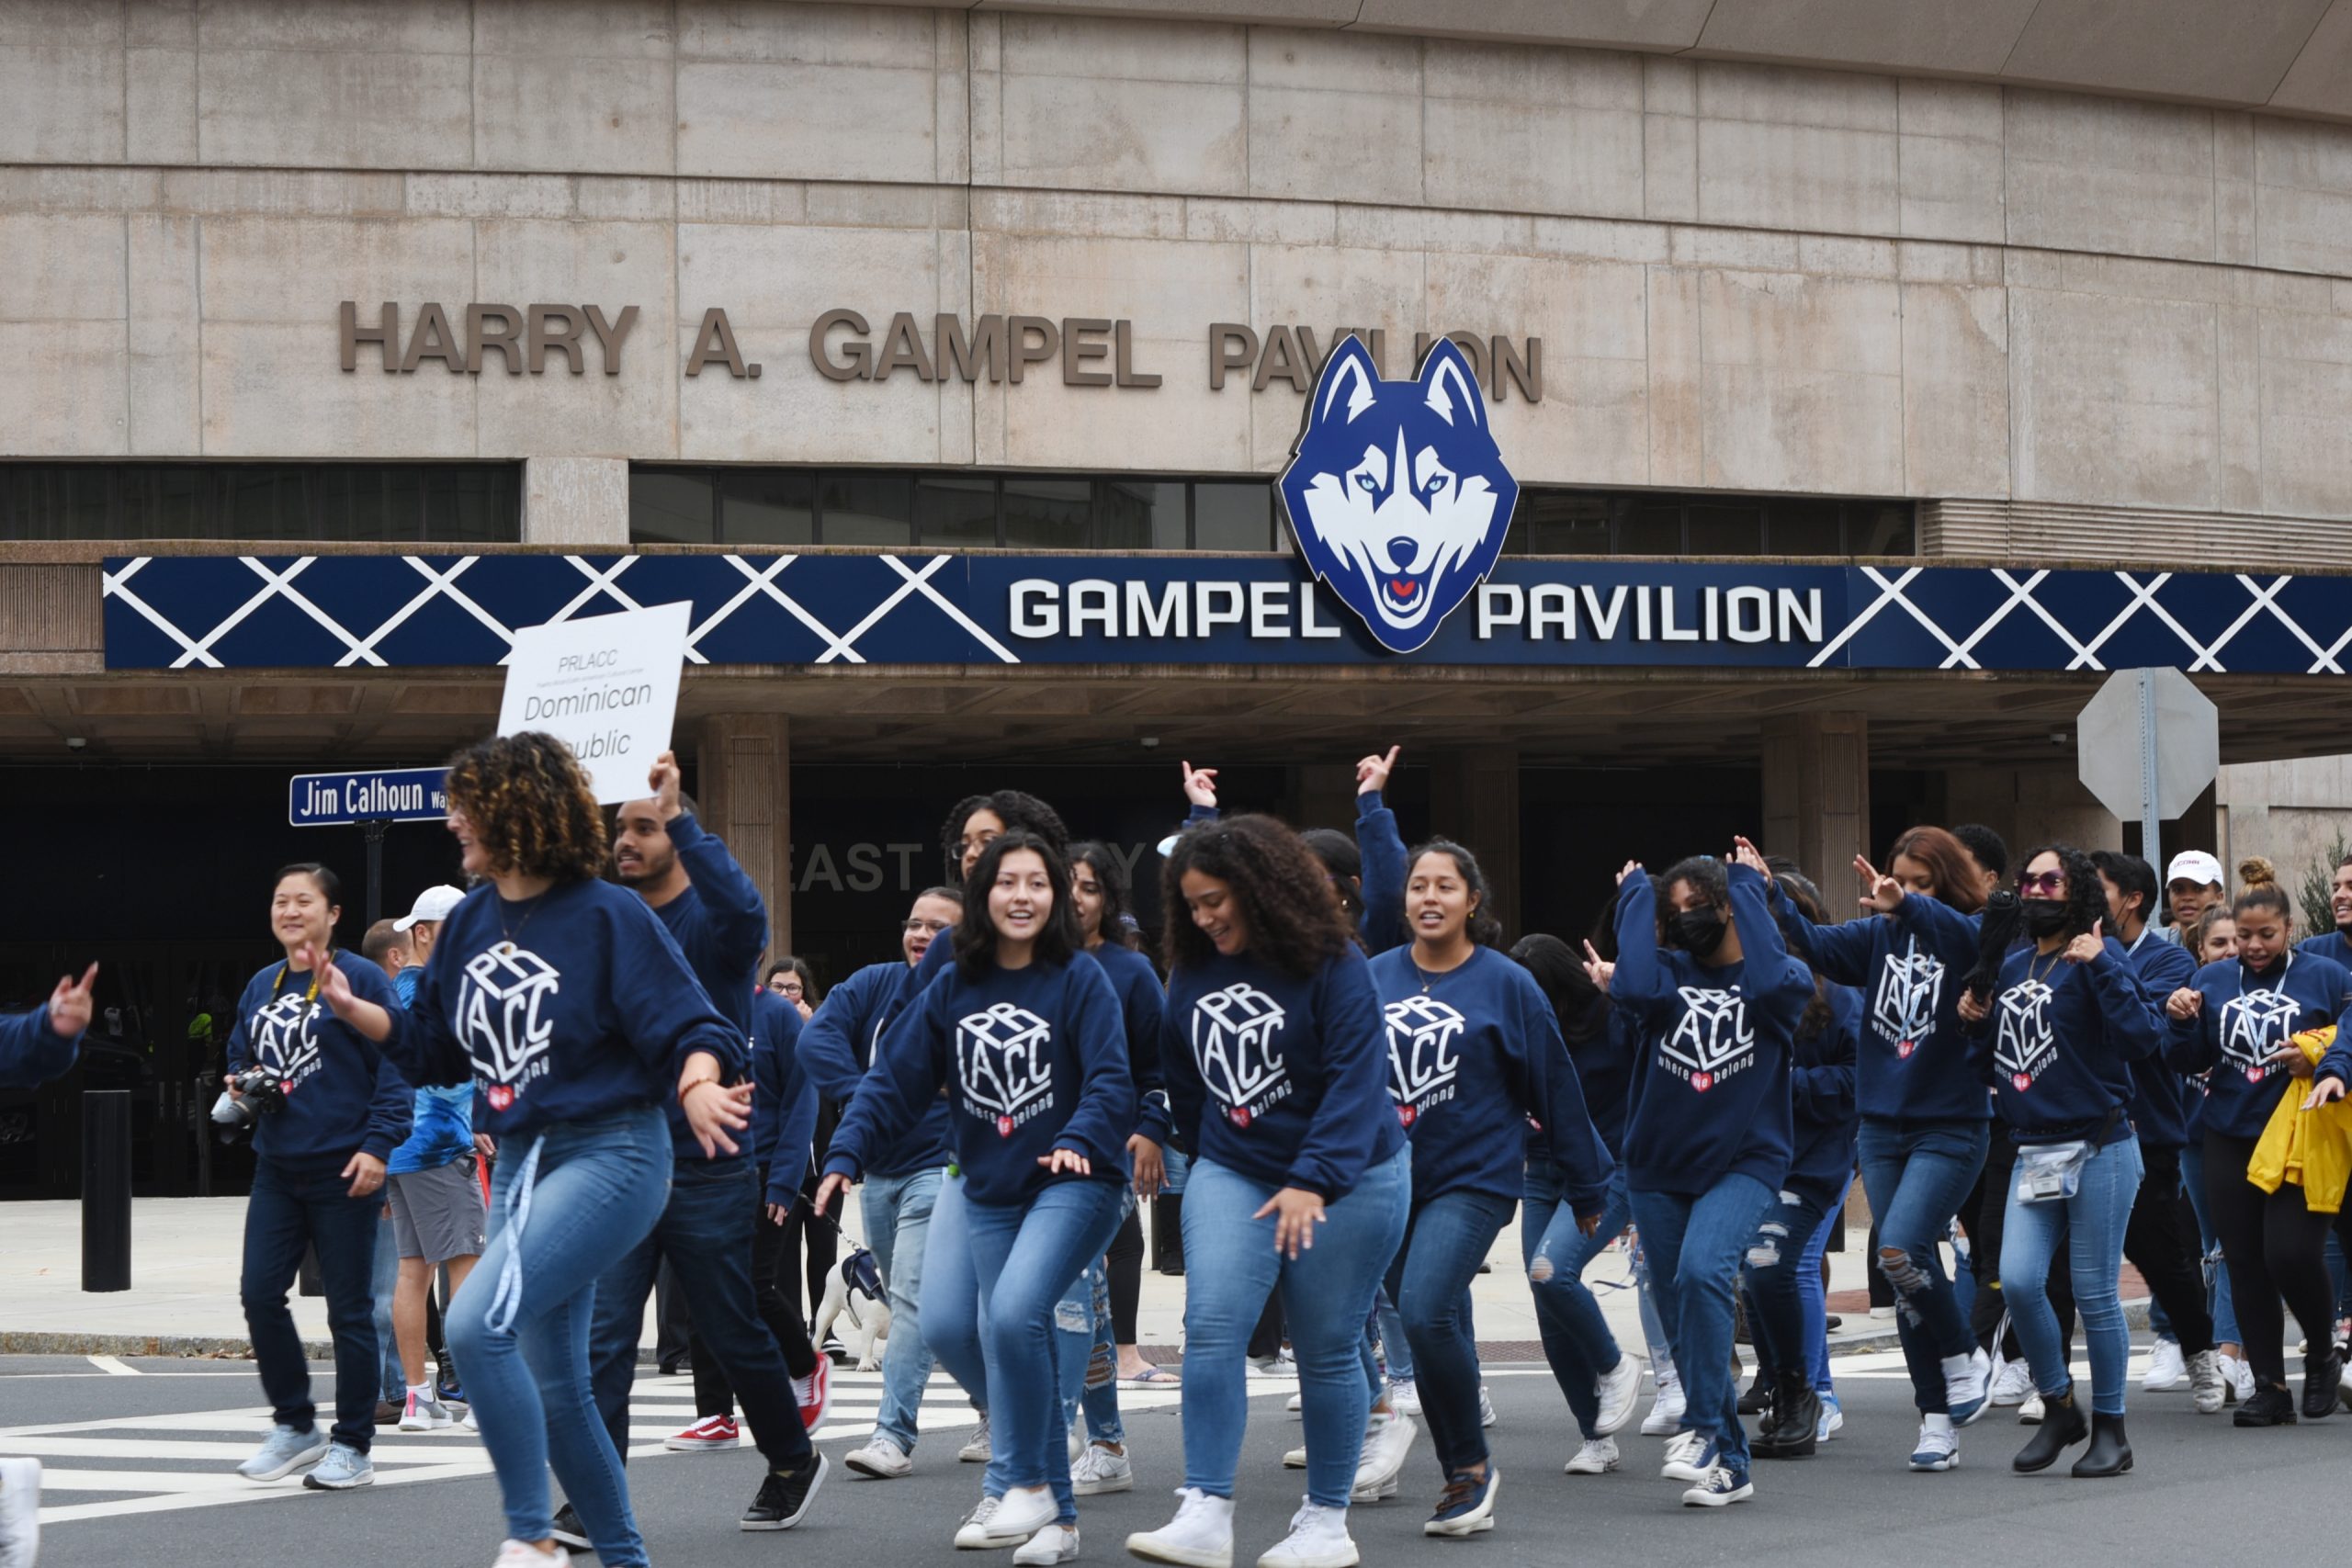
2068	1019
2234	1020
1924	1115
1273	1048
1023	1035
1708	1139
1473	1047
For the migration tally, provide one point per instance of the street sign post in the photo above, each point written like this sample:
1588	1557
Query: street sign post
2147	746
369	800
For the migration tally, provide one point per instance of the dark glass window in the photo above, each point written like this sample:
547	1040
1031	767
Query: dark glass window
670	508
1882	529
767	506
953	512
1651	526
1733	527
1229	517
1141	514
1558	524
1047	514
1803	528
866	509
403	502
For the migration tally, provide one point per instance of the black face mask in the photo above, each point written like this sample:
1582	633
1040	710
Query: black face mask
2044	916
1697	931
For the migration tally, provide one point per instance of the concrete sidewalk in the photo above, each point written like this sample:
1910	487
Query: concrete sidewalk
186	1252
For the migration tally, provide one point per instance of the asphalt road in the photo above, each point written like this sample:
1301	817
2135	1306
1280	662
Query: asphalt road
138	1454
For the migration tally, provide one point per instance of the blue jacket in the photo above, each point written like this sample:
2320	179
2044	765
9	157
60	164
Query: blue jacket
1917	1063
2245	1018
344	1094
2330	945
1280	1078
561	1009
837	1049
783	1101
31	1052
2160	1107
721	926
1476	1050
1031	1060
1821	1093
442	1131
1142	999
1711	1091
2066	1037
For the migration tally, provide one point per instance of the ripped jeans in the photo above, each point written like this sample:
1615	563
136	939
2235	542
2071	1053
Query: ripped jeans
1776	1269
1576	1339
1917	1174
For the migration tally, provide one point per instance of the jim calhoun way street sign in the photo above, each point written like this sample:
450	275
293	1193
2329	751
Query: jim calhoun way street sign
2149	744
334	800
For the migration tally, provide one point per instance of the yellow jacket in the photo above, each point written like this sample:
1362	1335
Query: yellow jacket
2310	1148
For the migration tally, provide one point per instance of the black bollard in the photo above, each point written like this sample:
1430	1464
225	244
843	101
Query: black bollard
105	1190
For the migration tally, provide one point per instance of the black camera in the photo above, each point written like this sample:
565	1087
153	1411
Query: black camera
264	1092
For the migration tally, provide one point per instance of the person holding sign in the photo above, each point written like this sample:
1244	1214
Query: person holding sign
572	1009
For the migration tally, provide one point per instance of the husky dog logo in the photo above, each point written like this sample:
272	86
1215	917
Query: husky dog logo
1396	492
501	1006
1236	1034
1905	1009
1004	1064
1423	1034
2024	1048
2253	1025
1715	1040
284	1035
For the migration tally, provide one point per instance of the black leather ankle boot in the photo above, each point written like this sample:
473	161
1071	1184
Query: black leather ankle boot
2111	1450
2322	1388
1791	1431
2062	1426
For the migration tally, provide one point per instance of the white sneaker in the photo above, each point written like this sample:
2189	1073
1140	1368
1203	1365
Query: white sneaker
2012	1381
1598	1457
1099	1470
1617	1388
1318	1538
472	1423
1833	1419
1405	1396
1387	1437
1665	1418
1967	1381
2166	1370
1055	1543
1295	1459
1683	1452
881	1458
2205	1384
1077	1441
1018	1514
1938	1445
1486	1416
1883	1314
1296	1403
972	1535
1200	1536
975	1450
2237	1378
1721	1487
424	1412
521	1554
19	1512
2030	1413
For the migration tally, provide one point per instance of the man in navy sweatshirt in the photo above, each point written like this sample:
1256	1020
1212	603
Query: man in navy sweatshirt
715	913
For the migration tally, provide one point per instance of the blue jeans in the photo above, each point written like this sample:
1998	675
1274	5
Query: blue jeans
1809	1289
2094	1220
1024	1256
290	1210
1445	1240
704	1232
898	1228
1577	1340
951	1306
2217	1278
520	1324
1918	1174
1231	1269
1090	1376
1786	1335
1695	1245
389	1378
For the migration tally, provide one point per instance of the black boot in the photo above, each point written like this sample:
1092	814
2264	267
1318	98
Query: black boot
1796	1419
2111	1450
2321	1387
2062	1426
1758	1397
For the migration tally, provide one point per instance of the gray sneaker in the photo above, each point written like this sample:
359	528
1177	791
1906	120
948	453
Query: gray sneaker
343	1469
287	1452
978	1450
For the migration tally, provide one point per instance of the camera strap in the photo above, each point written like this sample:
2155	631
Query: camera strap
310	997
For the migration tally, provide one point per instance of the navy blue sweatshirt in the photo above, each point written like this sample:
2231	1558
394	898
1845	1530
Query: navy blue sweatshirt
1606	1059
1280	1079
1142	999
2065	1039
1916	1062
2330	945
2160	1105
1711	1091
784	1102
31	1052
2245	1017
562	1007
721	926
1821	1093
1380	854
838	1044
345	1095
1475	1049
1032	1059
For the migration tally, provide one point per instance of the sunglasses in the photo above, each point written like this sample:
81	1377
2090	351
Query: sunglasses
2042	881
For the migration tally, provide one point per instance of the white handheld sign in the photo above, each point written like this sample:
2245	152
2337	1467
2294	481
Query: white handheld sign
607	686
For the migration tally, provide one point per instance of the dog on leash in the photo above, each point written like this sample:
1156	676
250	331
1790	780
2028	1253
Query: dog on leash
854	1292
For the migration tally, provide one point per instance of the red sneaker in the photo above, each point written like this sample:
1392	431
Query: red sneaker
815	1393
710	1432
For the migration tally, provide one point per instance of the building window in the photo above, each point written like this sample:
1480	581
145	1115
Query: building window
461	503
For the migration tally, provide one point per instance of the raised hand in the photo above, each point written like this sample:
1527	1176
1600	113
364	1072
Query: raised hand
1596	969
1879	892
666	782
335	985
1627	870
70	1006
1200	786
1746	853
1372	773
2091	944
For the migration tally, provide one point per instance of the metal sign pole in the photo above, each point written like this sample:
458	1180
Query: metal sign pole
2149	848
375	829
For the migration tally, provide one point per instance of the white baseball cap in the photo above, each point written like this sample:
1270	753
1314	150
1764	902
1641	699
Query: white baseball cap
432	904
2194	865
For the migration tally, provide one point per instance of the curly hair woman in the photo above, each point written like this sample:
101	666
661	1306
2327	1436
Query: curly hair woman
2069	1017
562	997
1276	1063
